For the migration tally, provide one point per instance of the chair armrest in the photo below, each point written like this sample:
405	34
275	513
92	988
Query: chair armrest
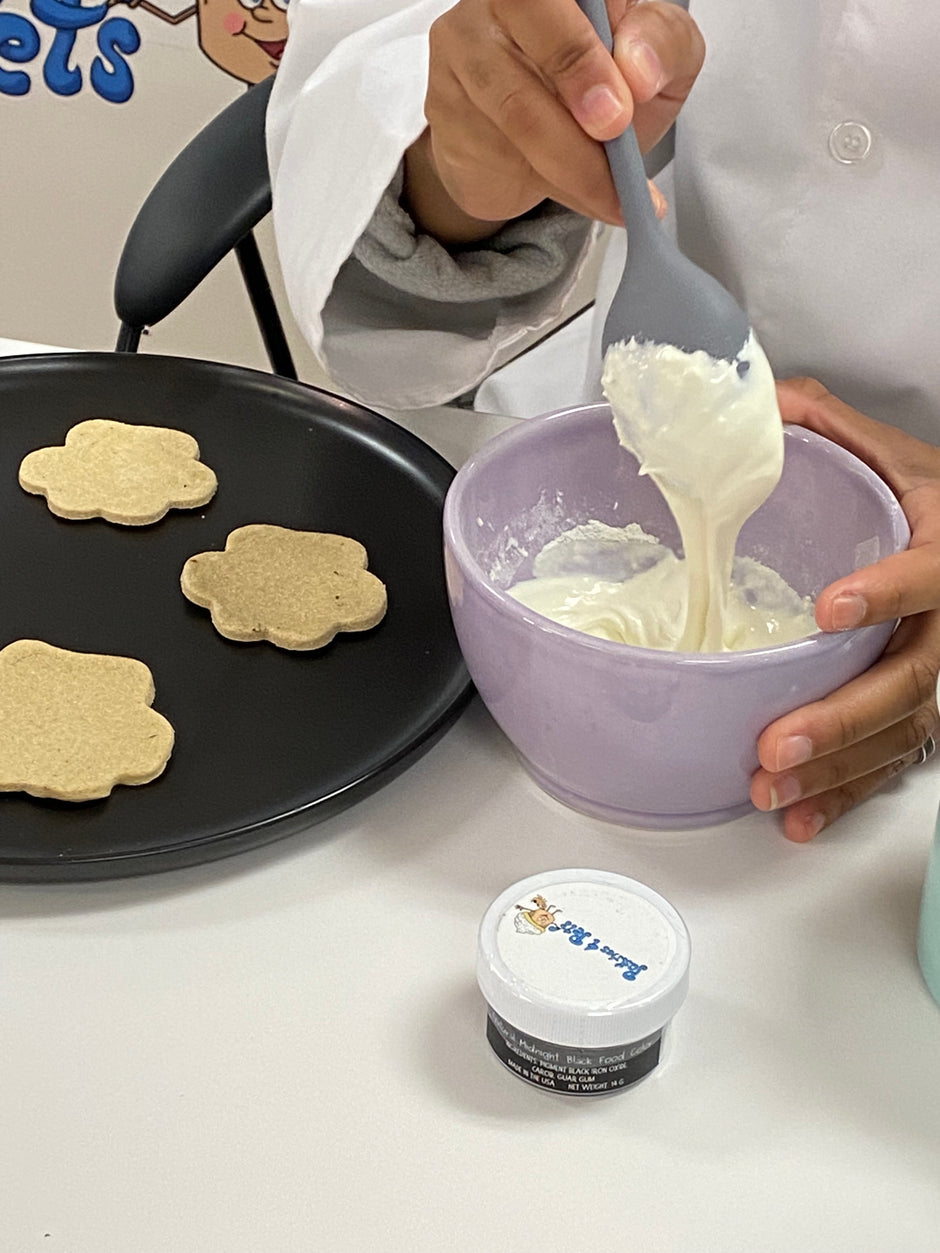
208	199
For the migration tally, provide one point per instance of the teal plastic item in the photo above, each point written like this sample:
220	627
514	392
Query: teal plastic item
928	934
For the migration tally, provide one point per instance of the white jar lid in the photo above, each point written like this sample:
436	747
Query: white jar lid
583	957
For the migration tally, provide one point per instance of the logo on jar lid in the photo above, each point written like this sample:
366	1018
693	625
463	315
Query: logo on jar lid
535	921
544	918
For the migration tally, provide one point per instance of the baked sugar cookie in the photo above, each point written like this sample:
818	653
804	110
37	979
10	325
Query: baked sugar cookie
294	588
127	474
73	725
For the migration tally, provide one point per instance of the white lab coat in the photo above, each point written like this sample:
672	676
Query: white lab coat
806	178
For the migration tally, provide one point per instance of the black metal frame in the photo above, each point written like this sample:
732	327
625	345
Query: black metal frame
204	206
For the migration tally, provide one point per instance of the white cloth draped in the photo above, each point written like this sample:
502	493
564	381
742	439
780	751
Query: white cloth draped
833	250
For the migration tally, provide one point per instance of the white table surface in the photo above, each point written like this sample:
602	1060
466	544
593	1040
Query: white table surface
285	1051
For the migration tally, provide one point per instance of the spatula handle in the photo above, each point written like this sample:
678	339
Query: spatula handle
623	153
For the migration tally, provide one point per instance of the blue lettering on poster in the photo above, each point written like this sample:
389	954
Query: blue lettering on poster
110	73
110	76
19	43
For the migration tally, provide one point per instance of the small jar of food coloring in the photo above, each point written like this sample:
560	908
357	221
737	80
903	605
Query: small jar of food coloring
582	971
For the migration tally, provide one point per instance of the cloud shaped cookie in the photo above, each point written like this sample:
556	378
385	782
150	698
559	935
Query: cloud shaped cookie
127	474
294	588
73	725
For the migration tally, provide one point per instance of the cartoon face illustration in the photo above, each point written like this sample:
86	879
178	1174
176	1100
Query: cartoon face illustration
535	921
243	37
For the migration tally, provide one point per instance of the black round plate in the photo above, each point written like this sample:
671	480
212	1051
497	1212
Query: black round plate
267	741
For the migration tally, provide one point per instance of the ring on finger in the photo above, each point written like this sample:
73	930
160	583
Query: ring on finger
926	750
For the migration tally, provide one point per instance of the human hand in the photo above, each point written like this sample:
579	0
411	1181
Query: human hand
819	761
520	94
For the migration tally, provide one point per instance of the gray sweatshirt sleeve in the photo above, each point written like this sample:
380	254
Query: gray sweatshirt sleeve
410	323
524	257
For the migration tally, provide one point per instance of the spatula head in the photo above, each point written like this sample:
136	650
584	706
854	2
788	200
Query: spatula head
665	298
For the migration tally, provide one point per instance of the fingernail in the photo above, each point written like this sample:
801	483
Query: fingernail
785	791
647	65
848	611
660	203
599	107
813	825
793	750
805	830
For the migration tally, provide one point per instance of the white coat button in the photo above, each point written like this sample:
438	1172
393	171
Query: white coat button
850	142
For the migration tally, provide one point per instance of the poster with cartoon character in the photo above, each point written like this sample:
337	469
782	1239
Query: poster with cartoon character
47	46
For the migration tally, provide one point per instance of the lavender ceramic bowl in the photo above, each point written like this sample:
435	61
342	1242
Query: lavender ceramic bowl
635	735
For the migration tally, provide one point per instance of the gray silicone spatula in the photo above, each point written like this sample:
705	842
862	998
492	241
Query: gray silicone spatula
662	297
